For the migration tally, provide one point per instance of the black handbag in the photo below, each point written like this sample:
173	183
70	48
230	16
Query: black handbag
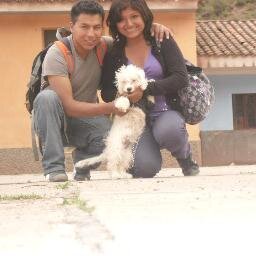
198	97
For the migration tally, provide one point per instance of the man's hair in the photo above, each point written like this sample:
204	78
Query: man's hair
114	17
86	7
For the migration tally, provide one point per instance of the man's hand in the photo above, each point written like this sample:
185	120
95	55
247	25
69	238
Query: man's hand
159	30
136	95
119	112
116	110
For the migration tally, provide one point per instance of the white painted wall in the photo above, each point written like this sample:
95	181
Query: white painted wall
221	115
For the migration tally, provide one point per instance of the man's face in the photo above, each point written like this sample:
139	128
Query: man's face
87	31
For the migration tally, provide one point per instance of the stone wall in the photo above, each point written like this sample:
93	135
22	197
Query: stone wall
228	147
20	161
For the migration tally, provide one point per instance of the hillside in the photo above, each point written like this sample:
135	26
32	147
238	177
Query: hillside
226	9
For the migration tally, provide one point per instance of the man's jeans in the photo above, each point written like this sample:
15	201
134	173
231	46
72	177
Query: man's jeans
56	130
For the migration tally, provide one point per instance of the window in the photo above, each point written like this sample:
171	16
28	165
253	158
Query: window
244	111
49	36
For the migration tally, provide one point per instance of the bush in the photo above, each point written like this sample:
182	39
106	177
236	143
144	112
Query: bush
214	9
226	9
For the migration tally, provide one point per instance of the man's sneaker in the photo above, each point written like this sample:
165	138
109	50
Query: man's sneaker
81	175
189	166
58	176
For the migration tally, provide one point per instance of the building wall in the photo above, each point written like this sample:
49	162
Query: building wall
21	39
221	144
221	115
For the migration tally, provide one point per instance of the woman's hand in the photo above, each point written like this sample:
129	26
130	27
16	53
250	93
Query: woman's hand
159	31
136	95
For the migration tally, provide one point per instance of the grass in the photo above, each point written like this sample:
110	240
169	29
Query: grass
19	197
226	9
81	204
63	186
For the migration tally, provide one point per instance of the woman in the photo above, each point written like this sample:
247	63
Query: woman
129	24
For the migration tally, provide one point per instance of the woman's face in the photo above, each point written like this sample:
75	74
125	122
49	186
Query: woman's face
131	24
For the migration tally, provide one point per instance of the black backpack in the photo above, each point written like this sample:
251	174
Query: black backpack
34	85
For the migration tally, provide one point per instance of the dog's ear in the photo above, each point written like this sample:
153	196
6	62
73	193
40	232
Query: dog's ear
121	69
119	74
116	79
120	79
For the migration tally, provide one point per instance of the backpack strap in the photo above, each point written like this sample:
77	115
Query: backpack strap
33	138
101	50
65	48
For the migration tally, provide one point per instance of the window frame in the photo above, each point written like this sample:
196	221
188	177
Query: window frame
244	111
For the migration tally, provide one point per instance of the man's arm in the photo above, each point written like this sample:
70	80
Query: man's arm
160	31
61	85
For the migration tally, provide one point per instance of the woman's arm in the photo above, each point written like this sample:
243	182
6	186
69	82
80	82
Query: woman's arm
175	70
109	90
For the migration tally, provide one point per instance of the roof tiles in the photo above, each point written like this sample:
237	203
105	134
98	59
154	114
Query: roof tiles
226	38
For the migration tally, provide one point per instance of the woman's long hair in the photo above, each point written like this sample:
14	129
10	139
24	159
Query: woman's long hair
114	17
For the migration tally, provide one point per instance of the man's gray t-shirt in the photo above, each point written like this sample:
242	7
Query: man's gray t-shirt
86	77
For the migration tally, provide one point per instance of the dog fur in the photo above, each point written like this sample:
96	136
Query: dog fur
126	129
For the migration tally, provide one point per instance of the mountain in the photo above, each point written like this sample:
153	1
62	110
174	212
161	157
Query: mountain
226	9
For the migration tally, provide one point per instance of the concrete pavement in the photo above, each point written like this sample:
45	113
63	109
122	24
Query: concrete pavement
210	214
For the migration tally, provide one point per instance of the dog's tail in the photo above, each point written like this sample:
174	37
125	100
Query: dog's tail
90	162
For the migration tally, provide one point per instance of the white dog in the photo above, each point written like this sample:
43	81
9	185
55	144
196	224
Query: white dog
125	130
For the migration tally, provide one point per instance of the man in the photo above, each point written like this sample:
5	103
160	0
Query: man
67	112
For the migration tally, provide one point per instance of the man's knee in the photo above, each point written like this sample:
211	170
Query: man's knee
46	99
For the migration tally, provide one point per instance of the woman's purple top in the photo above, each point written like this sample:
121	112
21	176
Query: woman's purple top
153	70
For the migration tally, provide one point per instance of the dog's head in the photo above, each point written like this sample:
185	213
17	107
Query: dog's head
130	77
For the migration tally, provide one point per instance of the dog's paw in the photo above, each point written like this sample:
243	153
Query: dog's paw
122	103
151	99
81	164
126	175
115	175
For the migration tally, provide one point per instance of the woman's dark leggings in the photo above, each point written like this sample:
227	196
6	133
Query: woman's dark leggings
168	131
